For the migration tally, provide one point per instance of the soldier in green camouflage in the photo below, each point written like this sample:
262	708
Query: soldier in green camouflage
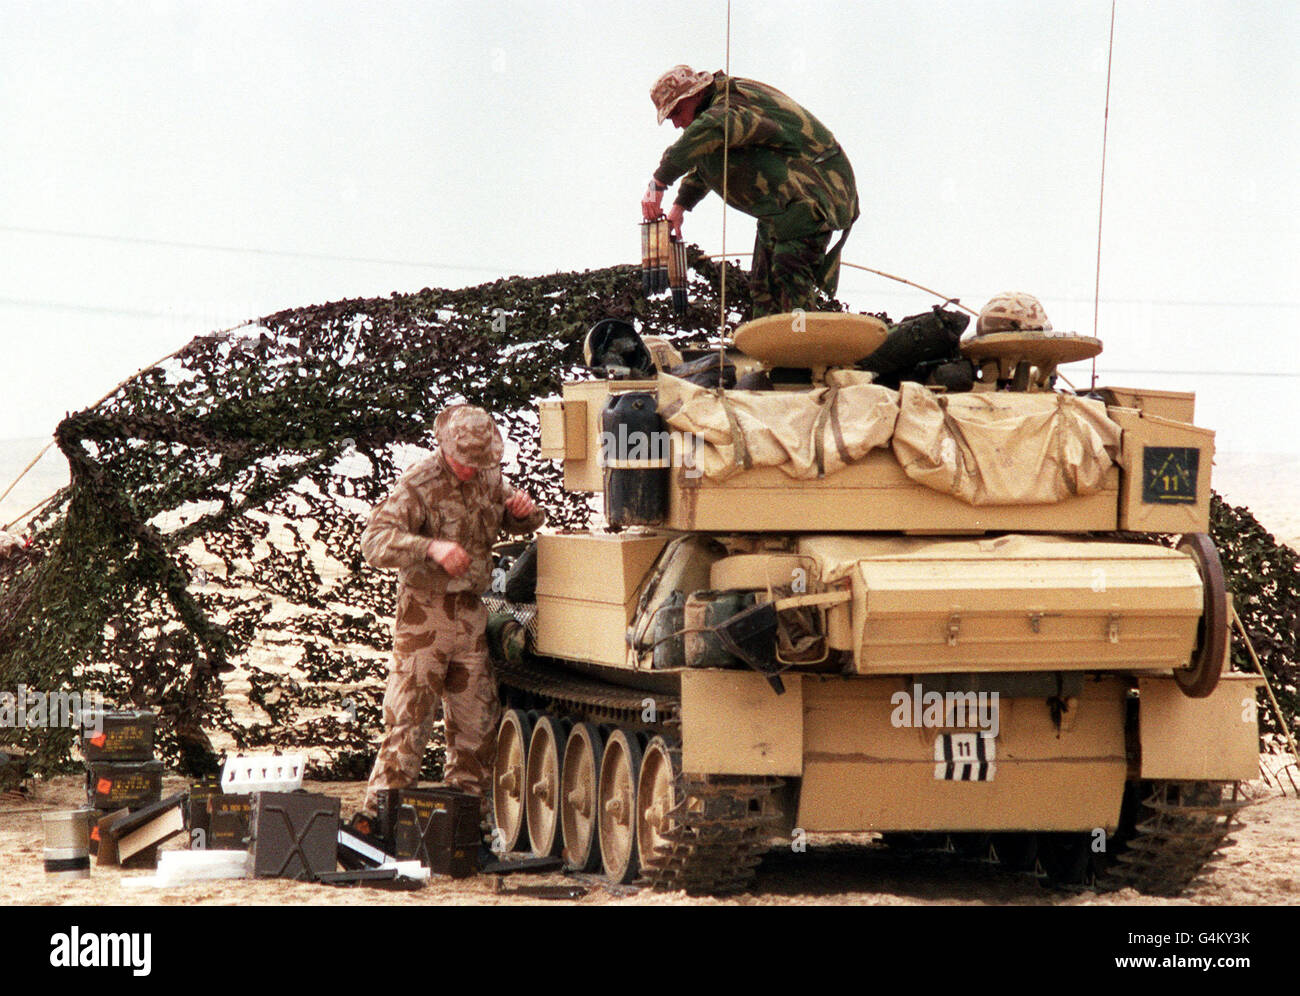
437	528
784	168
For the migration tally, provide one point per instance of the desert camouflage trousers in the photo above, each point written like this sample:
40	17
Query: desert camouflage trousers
439	652
786	273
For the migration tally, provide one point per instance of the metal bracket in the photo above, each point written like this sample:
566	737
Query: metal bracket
819	598
1112	628
954	627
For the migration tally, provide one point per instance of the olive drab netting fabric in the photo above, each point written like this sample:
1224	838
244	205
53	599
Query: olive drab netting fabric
1263	577
204	562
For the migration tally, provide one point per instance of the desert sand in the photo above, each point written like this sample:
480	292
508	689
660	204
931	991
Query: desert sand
1262	868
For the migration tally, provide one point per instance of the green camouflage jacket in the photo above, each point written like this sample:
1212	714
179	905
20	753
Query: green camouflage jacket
785	166
429	502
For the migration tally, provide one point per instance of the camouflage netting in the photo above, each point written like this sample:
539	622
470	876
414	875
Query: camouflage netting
1263	577
204	561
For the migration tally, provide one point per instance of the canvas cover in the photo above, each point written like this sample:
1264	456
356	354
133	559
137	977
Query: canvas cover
996	448
1004	448
806	434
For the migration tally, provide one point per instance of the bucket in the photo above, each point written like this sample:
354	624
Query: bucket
67	843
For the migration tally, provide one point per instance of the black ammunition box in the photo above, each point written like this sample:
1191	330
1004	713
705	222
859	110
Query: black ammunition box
197	815
440	827
228	819
293	835
118	736
123	784
385	819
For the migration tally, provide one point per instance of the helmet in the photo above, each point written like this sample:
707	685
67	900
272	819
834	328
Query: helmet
469	436
613	346
1013	311
672	86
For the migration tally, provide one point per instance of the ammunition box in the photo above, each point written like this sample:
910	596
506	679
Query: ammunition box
118	736
440	827
123	784
293	835
228	817
197	814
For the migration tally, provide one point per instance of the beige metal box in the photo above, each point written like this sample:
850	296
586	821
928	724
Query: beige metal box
875	494
558	440
1211	739
1024	603
1177	406
1165	485
579	421
587	587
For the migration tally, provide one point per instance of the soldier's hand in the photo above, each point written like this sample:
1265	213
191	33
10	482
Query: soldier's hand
652	202
449	555
520	505
676	215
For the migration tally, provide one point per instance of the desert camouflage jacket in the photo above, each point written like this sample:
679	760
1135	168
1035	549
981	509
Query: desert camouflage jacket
785	166
429	502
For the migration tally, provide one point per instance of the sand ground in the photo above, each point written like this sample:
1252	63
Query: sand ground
1262	868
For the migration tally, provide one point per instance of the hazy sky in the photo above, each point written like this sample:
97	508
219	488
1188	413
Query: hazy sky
173	167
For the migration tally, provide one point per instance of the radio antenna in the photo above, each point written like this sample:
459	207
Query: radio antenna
1101	197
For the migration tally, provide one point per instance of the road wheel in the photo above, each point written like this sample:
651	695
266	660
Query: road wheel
619	771
579	787
509	774
657	797
542	800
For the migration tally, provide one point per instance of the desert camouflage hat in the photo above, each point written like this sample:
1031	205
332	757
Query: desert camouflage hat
1013	311
672	86
468	435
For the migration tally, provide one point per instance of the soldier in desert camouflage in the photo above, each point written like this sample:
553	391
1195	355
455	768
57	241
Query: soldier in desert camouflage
437	528
784	168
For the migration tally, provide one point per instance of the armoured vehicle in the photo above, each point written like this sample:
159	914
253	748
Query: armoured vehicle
983	612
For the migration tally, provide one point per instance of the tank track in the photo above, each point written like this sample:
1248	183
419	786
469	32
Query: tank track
593	701
1180	827
720	829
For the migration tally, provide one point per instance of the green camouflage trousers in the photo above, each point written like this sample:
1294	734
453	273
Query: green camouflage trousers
787	272
439	652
